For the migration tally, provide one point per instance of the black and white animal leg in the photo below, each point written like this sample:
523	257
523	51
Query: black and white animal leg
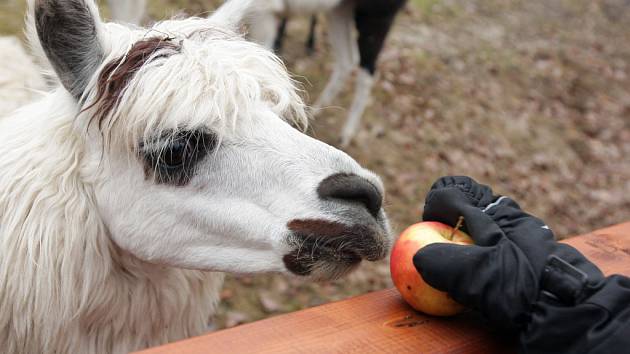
279	41
373	27
343	48
282	31
310	41
362	90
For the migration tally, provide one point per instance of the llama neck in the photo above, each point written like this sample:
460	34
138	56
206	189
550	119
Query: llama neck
64	286
158	304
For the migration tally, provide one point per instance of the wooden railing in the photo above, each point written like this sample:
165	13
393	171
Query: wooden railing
380	322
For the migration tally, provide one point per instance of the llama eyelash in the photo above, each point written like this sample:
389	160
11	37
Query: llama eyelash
173	158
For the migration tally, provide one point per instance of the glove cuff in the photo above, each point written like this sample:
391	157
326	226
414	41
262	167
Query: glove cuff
562	282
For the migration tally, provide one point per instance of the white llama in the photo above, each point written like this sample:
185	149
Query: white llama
166	157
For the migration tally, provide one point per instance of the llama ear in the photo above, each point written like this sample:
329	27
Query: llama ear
233	13
68	33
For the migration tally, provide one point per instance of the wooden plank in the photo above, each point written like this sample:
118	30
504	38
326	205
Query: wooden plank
608	248
381	322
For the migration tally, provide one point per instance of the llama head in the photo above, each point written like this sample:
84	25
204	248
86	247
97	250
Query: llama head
191	151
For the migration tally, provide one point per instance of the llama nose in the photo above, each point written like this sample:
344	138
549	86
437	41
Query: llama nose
351	188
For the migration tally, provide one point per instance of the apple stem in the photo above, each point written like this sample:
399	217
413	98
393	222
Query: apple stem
460	221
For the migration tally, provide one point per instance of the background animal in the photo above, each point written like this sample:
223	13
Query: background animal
371	19
166	156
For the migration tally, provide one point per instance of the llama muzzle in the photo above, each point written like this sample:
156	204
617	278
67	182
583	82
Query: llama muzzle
332	249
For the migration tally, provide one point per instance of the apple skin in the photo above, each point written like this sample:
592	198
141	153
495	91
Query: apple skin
410	284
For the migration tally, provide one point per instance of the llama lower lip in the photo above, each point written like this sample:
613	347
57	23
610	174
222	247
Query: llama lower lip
347	257
335	256
330	249
305	261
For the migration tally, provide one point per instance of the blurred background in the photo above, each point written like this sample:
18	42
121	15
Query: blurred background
529	96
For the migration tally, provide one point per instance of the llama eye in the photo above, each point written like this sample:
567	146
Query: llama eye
175	155
173	158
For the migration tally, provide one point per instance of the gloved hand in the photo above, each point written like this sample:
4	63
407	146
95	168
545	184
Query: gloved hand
516	274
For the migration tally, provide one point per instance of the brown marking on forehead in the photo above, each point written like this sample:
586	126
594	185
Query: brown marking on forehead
116	75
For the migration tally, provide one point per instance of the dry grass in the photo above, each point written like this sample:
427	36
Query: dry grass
529	96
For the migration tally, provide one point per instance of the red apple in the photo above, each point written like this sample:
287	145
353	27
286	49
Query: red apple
410	284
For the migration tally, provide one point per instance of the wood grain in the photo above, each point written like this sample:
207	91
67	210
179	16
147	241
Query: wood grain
381	322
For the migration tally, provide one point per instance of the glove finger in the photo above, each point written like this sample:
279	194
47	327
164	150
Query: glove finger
456	269
452	197
498	281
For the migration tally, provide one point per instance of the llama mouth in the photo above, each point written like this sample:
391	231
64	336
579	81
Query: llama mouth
325	249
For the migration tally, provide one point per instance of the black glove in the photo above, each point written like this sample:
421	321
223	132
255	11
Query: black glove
517	275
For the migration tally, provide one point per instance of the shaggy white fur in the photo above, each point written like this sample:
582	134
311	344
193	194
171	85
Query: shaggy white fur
65	287
95	255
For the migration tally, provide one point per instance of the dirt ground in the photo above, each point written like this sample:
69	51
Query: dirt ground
529	96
